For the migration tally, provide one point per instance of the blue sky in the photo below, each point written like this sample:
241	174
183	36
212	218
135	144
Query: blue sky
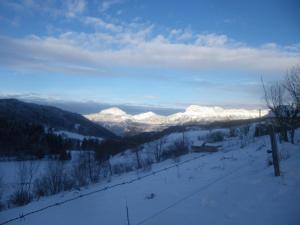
150	53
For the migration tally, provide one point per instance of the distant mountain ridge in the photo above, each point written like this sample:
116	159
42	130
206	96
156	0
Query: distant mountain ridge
12	109
119	121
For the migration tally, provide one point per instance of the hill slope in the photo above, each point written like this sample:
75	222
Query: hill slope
15	110
234	186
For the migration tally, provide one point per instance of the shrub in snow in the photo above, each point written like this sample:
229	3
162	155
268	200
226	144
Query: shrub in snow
54	180
25	175
94	170
79	173
215	136
55	176
1	188
261	129
20	197
47	186
178	148
147	164
233	132
106	169
246	134
1	193
158	149
120	168
136	151
68	183
86	169
40	187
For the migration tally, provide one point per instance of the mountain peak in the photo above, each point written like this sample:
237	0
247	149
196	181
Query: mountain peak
114	111
203	110
145	115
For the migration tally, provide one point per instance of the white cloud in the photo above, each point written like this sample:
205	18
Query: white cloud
270	46
181	35
74	7
137	45
66	8
99	23
211	40
106	5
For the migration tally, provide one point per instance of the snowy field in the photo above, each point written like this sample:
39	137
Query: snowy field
233	186
9	169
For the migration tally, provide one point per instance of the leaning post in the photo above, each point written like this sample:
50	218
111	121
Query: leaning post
274	151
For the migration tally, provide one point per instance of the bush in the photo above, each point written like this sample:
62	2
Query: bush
79	174
122	168
158	148
40	187
44	186
25	175
20	197
1	193
106	169
246	135
55	177
233	132
53	181
215	136
1	188
175	150
147	164
86	170
68	183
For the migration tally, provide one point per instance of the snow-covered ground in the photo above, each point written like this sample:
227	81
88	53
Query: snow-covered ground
72	135
233	186
9	171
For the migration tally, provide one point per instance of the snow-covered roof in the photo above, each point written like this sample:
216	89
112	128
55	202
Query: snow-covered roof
198	143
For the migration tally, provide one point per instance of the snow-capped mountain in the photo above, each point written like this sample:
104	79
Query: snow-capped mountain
150	118
195	113
119	121
114	111
113	114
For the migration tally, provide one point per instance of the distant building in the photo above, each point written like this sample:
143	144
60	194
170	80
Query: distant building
202	146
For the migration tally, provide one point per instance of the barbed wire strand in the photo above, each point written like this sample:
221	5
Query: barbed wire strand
189	196
23	215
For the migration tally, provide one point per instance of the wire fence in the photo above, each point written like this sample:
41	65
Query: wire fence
161	211
23	215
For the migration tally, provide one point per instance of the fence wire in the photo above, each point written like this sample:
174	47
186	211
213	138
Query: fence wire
23	215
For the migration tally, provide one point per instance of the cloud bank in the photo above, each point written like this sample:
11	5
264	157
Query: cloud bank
95	52
113	43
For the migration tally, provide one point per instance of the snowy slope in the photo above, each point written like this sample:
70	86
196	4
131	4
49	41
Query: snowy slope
73	135
50	117
234	186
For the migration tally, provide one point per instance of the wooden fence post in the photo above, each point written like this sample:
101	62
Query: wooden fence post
274	151
127	214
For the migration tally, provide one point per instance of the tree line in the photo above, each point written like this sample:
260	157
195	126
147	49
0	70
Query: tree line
22	140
